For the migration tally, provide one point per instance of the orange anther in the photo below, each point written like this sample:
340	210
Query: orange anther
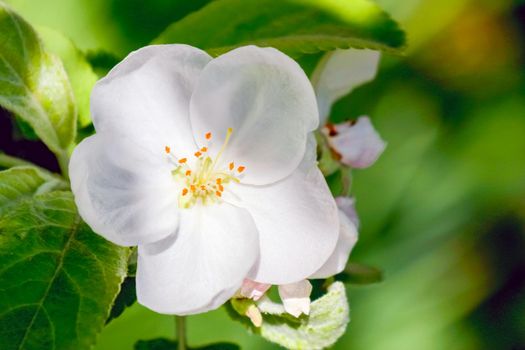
167	149
221	188
204	149
198	154
241	169
188	172
232	165
184	191
203	188
218	181
182	160
192	188
218	193
208	135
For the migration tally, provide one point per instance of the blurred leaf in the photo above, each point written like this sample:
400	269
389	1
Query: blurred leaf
126	297
25	130
34	85
292	26
57	278
102	61
81	75
166	344
116	26
328	318
360	274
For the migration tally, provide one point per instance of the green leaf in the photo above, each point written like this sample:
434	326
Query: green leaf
328	318
81	75
166	344
58	279
125	298
34	85
295	27
360	274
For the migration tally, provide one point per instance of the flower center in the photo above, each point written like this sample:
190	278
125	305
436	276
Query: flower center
206	180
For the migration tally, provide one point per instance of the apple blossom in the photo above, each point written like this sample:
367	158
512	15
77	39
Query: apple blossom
356	144
209	166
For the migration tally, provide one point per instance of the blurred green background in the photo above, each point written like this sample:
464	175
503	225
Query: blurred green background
443	210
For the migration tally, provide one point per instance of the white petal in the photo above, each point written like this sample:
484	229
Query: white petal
124	193
346	242
146	97
298	225
253	290
347	206
359	145
268	101
200	267
339	72
296	297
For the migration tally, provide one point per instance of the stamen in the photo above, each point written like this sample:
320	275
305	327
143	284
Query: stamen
226	140
204	181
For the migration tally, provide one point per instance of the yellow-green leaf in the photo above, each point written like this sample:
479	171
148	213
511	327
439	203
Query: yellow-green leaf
33	83
328	318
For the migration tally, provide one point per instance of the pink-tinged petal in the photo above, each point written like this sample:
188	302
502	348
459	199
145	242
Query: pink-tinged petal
347	206
296	297
357	144
254	314
253	290
346	242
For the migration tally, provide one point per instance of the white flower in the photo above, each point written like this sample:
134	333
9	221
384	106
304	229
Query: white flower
204	164
357	144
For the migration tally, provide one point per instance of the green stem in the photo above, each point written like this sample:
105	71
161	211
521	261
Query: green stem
63	163
180	329
346	179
